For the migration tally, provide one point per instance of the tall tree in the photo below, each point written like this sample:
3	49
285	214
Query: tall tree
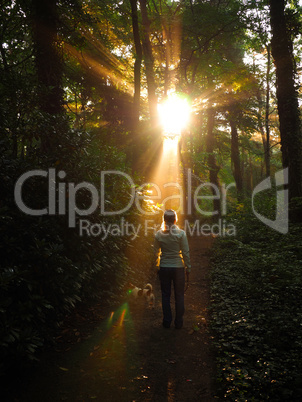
149	62
137	63
267	113
288	107
48	57
135	147
235	157
210	148
48	63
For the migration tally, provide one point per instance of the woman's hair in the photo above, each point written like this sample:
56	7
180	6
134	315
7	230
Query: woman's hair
170	218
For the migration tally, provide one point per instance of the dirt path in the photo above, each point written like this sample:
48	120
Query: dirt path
130	357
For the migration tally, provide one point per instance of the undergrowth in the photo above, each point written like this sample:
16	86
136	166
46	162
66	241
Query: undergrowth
257	312
47	267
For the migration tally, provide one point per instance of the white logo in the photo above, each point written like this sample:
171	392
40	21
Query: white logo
280	224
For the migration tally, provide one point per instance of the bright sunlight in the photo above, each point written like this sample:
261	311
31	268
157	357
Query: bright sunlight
174	115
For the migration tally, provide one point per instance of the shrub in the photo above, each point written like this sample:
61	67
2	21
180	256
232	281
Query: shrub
256	312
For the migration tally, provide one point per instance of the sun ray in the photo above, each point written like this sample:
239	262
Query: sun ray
88	62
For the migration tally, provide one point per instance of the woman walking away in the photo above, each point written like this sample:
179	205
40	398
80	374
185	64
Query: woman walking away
173	245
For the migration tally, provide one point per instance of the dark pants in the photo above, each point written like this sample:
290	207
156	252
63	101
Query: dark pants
177	276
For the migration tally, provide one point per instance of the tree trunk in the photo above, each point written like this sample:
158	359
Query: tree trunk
235	158
210	145
48	63
135	147
288	108
149	63
137	64
264	130
267	149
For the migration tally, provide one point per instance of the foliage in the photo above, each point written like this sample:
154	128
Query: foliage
256	311
46	267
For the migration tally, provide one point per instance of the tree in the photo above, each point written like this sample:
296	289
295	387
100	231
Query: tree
149	63
288	107
235	157
137	63
49	66
213	167
213	71
267	151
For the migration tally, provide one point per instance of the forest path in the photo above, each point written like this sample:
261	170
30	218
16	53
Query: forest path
131	357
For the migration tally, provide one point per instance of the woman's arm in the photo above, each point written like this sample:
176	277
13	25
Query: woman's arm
185	251
156	248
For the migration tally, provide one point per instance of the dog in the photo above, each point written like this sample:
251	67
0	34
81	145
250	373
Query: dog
146	293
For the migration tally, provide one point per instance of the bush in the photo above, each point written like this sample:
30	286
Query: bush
46	267
257	311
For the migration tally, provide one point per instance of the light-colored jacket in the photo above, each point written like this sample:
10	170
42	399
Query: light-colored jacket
174	248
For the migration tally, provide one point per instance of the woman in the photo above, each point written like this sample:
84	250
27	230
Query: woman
174	259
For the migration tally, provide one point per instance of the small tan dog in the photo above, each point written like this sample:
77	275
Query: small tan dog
146	293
